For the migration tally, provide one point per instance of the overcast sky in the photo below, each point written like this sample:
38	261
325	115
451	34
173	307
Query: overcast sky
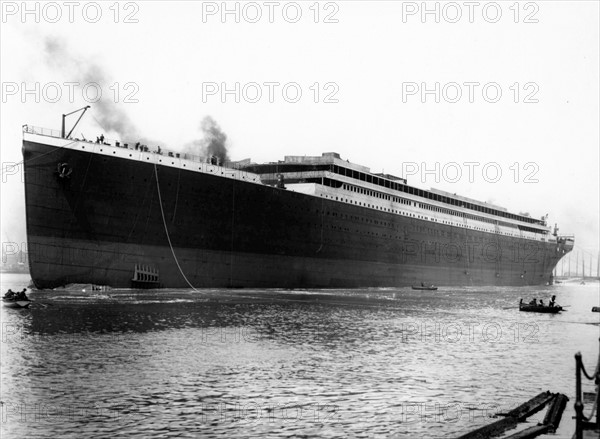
516	90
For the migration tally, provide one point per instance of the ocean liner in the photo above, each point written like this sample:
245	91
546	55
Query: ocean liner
115	214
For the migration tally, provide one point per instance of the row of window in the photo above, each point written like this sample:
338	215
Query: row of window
400	200
399	185
414	228
376	194
361	190
426	194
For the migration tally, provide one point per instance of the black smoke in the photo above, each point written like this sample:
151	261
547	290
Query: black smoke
213	143
110	116
215	140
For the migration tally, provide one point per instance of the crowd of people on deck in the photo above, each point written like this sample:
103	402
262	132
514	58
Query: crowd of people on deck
213	160
144	148
138	146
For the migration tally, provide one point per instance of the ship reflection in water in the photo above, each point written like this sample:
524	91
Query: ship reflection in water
277	363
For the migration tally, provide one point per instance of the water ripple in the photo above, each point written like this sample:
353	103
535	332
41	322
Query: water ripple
279	363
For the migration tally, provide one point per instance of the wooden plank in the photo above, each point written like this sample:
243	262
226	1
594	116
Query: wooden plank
530	432
532	406
589	434
490	430
555	411
589	397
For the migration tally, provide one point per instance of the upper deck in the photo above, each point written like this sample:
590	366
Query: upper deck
140	153
328	177
331	170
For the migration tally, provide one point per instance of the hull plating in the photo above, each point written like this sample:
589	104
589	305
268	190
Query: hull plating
95	225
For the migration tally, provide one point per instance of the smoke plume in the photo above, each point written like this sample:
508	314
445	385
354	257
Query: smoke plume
213	142
214	139
110	117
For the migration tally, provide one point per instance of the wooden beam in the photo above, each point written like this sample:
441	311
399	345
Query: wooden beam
513	417
490	430
530	433
555	411
532	406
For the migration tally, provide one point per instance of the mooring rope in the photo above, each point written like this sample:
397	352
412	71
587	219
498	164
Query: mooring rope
5	167
595	407
162	212
586	374
595	376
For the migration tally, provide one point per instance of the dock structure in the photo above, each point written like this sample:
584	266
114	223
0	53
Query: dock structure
585	426
520	414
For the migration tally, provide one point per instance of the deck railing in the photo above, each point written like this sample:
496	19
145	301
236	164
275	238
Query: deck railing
137	146
41	131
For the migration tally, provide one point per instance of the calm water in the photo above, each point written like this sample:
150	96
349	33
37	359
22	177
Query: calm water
278	363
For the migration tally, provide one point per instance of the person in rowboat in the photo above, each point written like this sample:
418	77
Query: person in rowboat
17	296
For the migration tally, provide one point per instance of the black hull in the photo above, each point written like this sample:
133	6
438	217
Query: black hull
541	309
97	224
18	304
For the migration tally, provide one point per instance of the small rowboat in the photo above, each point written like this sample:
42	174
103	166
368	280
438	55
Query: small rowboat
538	308
424	287
11	303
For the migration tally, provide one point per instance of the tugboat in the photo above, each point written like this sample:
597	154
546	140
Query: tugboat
16	300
